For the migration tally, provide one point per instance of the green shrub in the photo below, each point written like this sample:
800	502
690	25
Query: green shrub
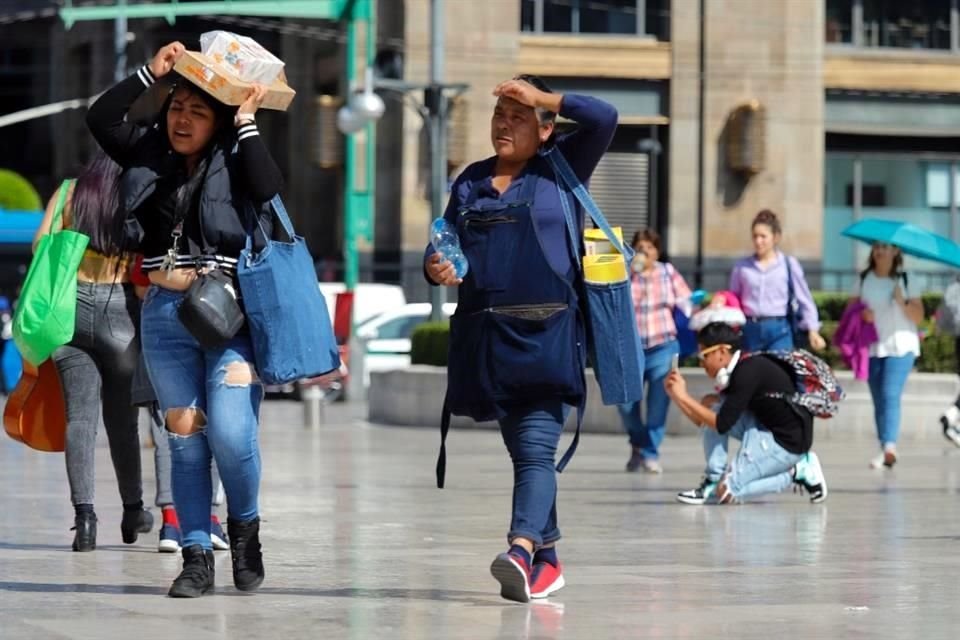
17	193
937	354
830	304
429	344
930	303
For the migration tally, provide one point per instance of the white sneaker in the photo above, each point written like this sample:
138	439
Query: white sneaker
699	495
886	458
950	430
651	466
809	474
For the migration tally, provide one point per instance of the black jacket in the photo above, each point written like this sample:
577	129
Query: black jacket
238	175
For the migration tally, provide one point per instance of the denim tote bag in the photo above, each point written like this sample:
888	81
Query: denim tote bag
289	324
613	339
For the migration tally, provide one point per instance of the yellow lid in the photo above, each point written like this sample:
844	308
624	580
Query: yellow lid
604	268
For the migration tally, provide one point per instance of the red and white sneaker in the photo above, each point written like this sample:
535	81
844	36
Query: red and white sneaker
513	574
545	579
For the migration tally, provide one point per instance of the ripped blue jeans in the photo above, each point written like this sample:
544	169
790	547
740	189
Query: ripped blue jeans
762	466
223	387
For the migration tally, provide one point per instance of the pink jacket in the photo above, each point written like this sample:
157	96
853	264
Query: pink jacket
854	337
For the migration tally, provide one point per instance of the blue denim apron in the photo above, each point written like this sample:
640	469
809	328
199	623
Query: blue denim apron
517	336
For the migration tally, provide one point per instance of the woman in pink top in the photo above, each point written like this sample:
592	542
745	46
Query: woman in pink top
762	282
657	289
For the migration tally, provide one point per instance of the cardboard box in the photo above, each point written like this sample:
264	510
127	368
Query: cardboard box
223	85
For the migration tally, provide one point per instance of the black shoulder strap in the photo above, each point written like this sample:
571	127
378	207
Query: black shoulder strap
442	456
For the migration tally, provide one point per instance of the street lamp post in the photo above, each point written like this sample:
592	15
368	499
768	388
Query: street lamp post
436	104
365	107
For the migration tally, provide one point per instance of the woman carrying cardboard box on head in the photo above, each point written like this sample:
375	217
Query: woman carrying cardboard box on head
186	195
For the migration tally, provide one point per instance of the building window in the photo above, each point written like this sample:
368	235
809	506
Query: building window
615	17
918	24
907	187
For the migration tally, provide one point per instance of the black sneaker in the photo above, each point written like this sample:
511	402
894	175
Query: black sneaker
197	575
699	495
245	553
134	522
85	524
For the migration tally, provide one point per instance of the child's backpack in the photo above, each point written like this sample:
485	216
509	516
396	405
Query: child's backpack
817	388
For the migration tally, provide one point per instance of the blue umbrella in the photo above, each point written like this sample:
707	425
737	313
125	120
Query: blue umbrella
910	238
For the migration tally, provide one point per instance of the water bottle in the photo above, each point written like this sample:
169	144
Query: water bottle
443	237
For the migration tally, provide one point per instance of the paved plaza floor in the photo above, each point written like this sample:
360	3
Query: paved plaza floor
360	544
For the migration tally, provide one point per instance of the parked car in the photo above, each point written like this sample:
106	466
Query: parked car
370	300
388	336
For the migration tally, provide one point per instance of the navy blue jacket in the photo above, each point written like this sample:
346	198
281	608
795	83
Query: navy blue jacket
582	148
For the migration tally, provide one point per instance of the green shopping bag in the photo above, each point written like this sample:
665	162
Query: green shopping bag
47	308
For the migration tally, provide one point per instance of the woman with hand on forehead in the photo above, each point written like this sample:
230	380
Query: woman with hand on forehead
517	337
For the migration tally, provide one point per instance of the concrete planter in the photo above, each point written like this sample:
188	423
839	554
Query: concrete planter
414	397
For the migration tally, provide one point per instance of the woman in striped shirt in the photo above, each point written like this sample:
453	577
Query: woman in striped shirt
657	290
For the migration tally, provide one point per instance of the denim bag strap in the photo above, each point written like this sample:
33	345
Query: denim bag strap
567	176
791	298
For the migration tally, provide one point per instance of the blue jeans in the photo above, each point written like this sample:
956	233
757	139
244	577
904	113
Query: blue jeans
532	435
887	377
770	334
648	435
761	466
218	384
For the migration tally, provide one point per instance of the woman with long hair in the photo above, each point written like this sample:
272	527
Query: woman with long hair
763	281
657	290
97	366
194	183
518	338
896	310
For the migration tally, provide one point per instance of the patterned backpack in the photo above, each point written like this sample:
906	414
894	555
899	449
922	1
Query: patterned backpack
817	388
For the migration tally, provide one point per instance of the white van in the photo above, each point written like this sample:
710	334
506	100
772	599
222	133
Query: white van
370	299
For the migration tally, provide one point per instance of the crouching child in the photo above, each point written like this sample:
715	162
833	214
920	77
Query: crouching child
758	403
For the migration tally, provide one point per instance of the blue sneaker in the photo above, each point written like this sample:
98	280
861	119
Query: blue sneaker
169	538
217	535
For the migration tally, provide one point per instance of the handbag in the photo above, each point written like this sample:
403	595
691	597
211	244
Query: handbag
289	323
613	341
47	309
35	413
210	311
